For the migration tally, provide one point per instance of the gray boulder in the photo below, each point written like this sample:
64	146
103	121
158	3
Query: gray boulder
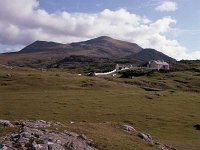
55	147
6	123
34	136
128	128
145	137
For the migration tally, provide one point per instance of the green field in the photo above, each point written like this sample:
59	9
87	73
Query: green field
97	104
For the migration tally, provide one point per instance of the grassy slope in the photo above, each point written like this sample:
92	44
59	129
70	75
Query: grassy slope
54	95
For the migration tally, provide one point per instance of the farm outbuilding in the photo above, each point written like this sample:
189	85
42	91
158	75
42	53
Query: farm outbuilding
157	64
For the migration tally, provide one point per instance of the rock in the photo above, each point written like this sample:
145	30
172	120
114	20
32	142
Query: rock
34	136
18	123
149	136
40	147
197	126
26	135
151	89
71	122
5	147
82	136
128	128
8	75
15	137
71	133
144	137
55	147
58	142
6	123
157	143
35	132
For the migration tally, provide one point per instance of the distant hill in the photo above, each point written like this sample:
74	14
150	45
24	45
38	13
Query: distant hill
42	46
99	47
151	54
43	53
108	47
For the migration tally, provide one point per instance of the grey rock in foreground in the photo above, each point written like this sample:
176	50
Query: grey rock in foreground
146	137
34	136
6	123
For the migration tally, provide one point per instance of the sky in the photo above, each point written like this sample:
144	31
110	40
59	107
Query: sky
170	26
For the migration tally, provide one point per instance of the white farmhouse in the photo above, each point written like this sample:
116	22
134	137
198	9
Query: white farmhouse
157	64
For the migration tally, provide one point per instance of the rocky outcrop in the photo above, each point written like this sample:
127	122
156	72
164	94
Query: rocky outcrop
146	137
6	123
33	135
36	135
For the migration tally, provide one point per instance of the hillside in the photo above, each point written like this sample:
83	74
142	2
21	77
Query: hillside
100	47
108	47
152	54
42	46
97	105
44	54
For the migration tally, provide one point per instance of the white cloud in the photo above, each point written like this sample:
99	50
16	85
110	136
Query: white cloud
167	6
33	23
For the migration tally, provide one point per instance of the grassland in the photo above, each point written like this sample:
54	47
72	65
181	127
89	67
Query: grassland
97	104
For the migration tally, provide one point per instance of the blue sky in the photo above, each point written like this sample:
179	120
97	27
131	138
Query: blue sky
177	22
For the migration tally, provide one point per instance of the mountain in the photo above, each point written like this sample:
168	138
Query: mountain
43	53
151	54
108	47
42	46
103	46
99	47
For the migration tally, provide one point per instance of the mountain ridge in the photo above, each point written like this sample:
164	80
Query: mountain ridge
47	52
103	46
148	54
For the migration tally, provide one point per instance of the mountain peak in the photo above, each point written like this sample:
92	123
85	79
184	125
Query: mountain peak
38	46
100	40
104	38
148	54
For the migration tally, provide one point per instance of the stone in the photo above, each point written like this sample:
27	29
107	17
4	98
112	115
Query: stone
128	128
82	136
8	75
6	123
71	122
144	137
5	147
55	147
40	146
26	135
15	137
149	136
58	142
35	132
34	136
71	133
157	143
